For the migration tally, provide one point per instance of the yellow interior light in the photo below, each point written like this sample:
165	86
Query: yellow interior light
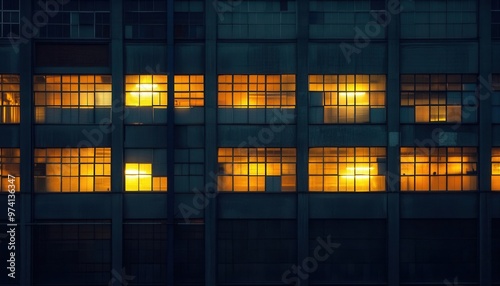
146	86
352	93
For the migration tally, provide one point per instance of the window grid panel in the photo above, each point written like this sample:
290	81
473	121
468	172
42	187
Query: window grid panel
347	169
145	249
495	169
10	162
189	91
438	98
439	169
77	19
256	91
145	170
72	99
257	169
71	249
10	110
189	19
439	19
146	90
189	169
9	19
72	169
495	100
348	98
145	19
495	19
260	19
339	18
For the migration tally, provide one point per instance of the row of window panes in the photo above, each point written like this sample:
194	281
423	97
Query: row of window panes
256	91
331	169
340	98
146	19
257	169
347	98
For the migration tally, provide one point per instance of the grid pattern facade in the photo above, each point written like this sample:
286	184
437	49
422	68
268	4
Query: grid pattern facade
187	142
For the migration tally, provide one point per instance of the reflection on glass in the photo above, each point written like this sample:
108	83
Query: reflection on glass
256	91
10	111
439	169
349	98
257	169
350	169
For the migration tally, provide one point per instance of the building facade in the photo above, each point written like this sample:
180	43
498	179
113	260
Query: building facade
250	142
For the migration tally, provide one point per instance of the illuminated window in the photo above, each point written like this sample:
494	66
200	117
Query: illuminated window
495	99
145	170
256	91
347	98
146	90
10	111
77	19
9	18
257	169
188	91
72	99
72	170
9	165
146	99
438	169
438	98
350	169
495	169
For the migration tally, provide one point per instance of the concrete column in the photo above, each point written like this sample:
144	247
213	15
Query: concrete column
170	145
117	136
24	197
210	141
485	141
301	109
393	148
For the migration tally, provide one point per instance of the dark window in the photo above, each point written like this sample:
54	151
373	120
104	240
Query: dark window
145	251
252	251
72	251
79	19
495	19
436	250
339	18
9	18
190	253
189	19
359	251
259	19
145	19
